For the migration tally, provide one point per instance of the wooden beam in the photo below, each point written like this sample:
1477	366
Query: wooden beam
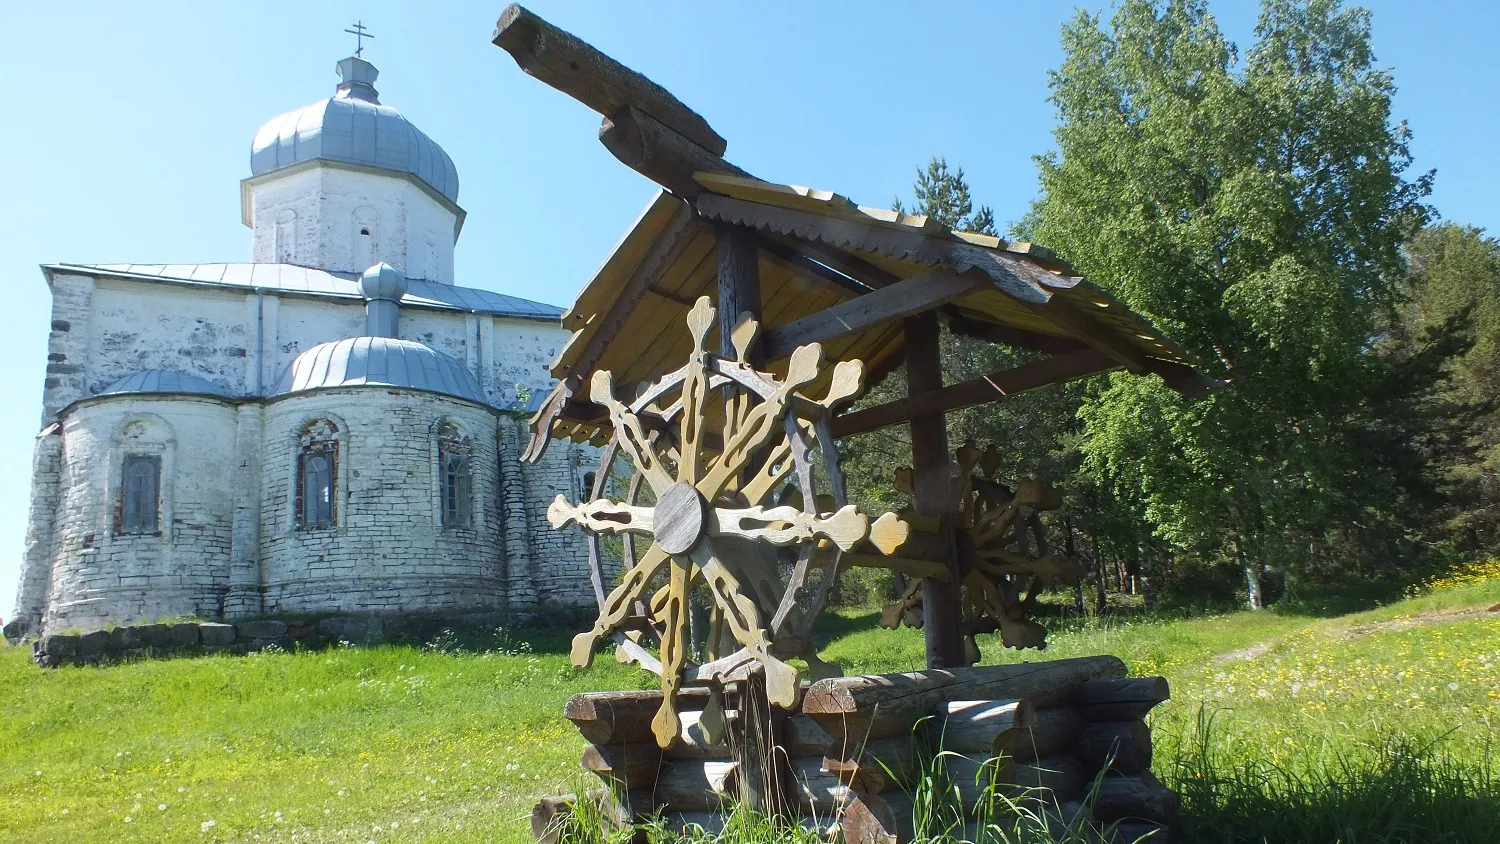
1006	382
1005	335
797	260
942	616
1096	336
577	69
910	296
658	152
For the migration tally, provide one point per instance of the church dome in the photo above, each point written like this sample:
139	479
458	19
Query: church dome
379	362
354	128
164	381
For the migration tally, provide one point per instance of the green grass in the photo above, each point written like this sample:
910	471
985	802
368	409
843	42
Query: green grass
412	744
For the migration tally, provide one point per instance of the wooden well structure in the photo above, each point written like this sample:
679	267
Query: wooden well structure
717	350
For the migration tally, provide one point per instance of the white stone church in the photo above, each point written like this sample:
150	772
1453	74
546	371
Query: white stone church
333	427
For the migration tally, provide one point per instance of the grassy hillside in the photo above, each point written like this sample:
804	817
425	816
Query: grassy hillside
432	744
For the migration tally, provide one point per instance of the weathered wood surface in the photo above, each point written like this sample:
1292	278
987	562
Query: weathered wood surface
1125	745
1138	797
1060	774
550	814
942	612
904	298
803	735
572	66
1125	699
624	717
996	385
658	152
693	744
632	765
975	726
693	786
878	764
878	819
815	789
1054	730
974	775
885	705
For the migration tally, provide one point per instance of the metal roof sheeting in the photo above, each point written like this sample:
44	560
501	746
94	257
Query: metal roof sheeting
289	278
379	361
354	128
164	381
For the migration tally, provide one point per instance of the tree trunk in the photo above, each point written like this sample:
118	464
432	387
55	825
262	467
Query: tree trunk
1072	551
1252	577
1101	597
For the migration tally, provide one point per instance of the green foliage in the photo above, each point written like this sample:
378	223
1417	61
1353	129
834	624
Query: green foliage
1255	209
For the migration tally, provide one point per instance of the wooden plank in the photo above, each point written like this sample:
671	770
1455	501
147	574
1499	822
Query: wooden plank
1125	745
631	766
574	67
1140	797
1006	335
942	612
885	705
623	717
974	726
1127	699
695	786
655	150
907	297
1029	376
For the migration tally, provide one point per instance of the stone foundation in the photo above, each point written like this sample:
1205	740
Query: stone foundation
193	638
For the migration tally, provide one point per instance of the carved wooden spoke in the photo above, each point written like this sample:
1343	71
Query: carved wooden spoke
1003	555
725	444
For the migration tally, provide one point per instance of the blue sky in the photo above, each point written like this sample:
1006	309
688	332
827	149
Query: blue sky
127	127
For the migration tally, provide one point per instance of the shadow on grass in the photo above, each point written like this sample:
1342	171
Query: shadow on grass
1402	791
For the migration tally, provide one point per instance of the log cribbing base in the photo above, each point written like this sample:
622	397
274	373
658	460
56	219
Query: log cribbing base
1067	733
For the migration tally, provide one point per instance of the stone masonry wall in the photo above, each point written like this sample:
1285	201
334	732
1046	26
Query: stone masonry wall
388	549
100	574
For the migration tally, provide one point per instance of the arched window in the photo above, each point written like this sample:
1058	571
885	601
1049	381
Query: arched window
455	477
140	493
317	473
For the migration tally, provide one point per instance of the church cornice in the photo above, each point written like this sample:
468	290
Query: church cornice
247	205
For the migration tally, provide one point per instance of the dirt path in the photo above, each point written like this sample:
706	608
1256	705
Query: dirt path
1358	631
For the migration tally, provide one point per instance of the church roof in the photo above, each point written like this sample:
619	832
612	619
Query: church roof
353	127
379	361
292	279
164	381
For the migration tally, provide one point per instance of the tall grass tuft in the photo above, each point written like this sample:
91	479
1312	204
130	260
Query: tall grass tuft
1397	792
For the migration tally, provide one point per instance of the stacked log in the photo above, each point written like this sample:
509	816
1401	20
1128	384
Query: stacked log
1066	734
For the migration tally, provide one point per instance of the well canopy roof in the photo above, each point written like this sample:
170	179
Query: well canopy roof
807	238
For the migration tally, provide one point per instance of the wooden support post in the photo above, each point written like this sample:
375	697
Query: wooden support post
755	738
931	479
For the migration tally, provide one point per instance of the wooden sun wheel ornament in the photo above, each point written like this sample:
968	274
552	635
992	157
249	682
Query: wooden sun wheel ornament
729	446
1002	554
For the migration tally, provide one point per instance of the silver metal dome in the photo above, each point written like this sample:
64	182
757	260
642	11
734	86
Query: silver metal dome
353	127
381	362
164	381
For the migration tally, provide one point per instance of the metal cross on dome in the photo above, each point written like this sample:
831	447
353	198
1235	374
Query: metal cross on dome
359	34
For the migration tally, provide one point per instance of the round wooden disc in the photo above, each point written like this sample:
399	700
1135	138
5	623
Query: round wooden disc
678	519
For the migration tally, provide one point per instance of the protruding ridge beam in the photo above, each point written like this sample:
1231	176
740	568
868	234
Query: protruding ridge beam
577	69
657	151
